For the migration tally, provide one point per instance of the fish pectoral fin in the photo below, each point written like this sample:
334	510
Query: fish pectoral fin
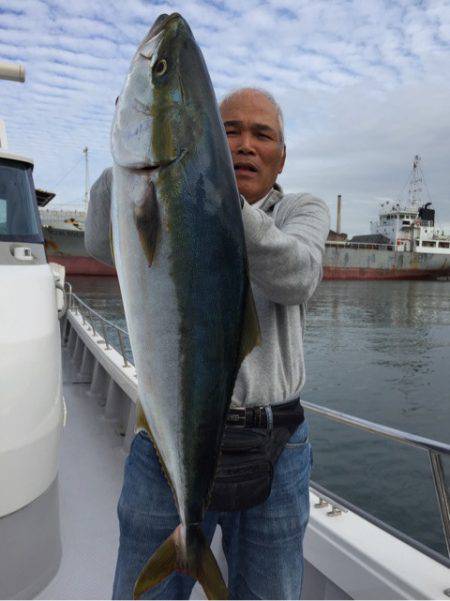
251	333
148	222
191	556
160	565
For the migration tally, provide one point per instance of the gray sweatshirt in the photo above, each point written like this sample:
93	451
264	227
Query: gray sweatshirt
285	240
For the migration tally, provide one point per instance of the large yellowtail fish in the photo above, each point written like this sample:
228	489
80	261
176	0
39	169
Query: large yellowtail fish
180	254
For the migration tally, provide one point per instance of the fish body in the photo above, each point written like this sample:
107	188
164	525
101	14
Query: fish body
180	255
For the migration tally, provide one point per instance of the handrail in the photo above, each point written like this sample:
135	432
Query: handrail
411	439
78	301
88	315
434	448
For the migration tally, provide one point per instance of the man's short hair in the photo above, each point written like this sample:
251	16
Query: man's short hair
269	97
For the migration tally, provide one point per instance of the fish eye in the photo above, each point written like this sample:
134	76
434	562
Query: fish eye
161	67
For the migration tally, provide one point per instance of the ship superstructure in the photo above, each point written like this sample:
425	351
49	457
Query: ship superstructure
404	242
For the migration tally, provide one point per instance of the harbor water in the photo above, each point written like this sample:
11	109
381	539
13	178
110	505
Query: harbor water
380	351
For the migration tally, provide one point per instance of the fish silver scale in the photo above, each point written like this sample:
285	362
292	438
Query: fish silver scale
153	322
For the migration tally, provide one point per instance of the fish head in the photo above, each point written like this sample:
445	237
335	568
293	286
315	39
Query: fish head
154	122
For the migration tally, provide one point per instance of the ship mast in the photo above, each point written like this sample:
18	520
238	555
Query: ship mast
86	177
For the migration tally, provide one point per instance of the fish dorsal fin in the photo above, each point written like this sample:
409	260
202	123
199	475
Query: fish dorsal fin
148	222
251	333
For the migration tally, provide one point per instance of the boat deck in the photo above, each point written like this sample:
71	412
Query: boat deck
90	479
92	459
346	555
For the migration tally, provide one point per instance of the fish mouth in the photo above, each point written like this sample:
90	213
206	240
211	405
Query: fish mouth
161	23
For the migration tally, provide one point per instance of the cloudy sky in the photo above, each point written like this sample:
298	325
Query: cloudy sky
364	86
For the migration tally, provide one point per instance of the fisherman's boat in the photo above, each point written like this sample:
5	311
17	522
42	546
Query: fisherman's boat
349	553
31	399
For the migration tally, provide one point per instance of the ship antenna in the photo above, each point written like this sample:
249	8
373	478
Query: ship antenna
415	183
86	177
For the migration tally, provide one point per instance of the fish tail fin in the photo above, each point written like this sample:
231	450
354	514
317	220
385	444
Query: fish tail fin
160	565
187	551
208	572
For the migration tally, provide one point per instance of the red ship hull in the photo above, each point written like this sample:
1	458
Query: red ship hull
82	265
360	273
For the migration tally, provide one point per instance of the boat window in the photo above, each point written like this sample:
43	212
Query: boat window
19	219
444	244
428	243
2	215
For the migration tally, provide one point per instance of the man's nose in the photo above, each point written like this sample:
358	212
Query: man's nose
245	145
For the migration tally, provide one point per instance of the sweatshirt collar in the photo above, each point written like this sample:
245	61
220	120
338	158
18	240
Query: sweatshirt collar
272	198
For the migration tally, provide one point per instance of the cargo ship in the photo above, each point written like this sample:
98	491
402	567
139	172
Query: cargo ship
64	241
64	234
403	244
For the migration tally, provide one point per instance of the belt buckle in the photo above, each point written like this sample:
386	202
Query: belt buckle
258	416
238	418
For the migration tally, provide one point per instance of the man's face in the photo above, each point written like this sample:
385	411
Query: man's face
253	132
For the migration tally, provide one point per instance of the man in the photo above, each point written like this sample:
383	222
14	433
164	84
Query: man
285	237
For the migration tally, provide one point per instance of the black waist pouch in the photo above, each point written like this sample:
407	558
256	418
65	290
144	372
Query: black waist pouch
245	470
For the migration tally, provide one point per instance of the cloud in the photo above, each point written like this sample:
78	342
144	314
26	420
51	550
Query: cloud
364	86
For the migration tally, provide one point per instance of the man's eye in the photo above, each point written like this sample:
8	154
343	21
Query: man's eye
230	132
264	136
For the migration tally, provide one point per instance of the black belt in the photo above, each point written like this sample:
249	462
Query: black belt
266	416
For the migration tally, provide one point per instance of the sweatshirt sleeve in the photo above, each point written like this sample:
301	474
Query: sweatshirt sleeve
285	260
98	219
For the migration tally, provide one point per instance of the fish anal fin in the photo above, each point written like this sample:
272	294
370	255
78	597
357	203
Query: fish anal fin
250	333
142	424
148	222
141	420
111	245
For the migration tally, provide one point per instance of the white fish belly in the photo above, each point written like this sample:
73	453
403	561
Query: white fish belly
153	321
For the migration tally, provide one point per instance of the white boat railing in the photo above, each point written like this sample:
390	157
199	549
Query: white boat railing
109	330
366	245
435	449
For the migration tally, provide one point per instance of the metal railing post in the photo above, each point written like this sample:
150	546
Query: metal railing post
105	336
442	493
92	323
125	362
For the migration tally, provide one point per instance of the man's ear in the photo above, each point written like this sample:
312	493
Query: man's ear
283	159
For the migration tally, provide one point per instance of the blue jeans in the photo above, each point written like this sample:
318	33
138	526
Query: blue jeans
262	545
